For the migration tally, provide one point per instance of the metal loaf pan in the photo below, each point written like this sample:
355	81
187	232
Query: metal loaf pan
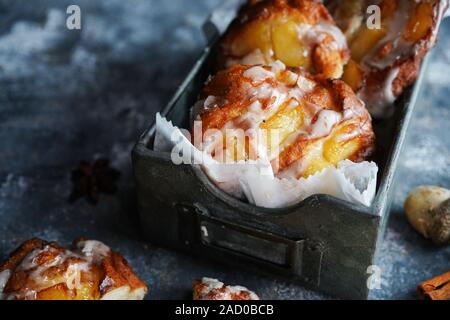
323	242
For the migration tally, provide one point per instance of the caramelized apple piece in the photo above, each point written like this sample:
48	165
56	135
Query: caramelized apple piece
315	160
57	292
337	148
255	35
288	46
420	22
354	75
365	40
87	291
331	150
286	121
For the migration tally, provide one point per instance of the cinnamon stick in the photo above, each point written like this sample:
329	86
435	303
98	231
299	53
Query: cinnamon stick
437	288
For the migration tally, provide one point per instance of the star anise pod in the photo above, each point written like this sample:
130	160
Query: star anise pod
91	180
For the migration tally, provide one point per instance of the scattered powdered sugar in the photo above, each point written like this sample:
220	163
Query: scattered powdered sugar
14	186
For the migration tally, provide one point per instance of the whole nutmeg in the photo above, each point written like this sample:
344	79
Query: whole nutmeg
428	211
440	229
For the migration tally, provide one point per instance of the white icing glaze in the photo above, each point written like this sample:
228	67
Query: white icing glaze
72	275
315	34
442	6
29	262
4	278
258	74
213	284
94	250
378	99
305	84
325	122
278	67
107	282
339	38
253	58
238	289
210	102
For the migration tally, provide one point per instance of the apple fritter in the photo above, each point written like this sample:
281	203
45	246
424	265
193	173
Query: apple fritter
386	58
212	289
40	270
298	122
300	33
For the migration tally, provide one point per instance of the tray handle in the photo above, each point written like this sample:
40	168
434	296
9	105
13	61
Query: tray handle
301	258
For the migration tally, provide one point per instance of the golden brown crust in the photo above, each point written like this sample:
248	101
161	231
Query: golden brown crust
19	254
310	11
40	270
320	122
120	274
300	33
211	289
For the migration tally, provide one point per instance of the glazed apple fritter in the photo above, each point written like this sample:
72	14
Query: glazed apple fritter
386	59
299	122
40	270
300	33
211	289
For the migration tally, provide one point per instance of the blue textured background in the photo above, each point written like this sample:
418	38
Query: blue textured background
72	95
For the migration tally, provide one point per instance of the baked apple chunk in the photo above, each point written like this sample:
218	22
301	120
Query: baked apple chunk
300	33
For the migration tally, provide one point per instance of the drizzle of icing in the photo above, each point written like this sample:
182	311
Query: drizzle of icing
88	252
4	278
379	98
93	250
326	120
315	34
258	74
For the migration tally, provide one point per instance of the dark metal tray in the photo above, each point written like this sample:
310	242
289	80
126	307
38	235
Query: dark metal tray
323	242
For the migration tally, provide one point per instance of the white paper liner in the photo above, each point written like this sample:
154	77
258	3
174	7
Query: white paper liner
255	180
